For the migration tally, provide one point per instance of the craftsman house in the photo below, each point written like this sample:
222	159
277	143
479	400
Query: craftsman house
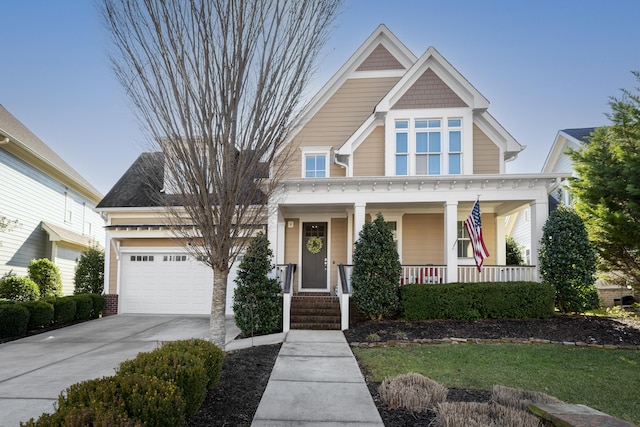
51	202
390	132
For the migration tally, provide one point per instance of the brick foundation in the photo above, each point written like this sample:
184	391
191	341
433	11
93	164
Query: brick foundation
111	305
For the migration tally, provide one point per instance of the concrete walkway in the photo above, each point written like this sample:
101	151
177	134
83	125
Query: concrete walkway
316	381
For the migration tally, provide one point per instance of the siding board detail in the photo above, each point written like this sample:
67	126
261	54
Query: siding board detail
486	154
429	91
368	158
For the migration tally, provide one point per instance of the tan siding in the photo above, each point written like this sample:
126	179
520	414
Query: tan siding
422	237
153	243
380	59
489	237
113	272
368	159
292	245
486	155
338	247
338	119
429	91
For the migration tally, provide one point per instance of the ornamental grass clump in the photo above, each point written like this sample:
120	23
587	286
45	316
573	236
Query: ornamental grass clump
412	391
473	414
520	399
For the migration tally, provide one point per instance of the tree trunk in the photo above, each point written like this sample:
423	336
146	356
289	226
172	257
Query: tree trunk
217	332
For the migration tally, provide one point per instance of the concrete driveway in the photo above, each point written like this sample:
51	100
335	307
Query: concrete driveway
34	370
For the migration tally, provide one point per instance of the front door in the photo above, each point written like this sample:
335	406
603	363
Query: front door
314	256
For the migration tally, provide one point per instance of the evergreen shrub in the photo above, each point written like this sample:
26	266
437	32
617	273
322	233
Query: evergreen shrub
184	370
257	304
376	270
19	289
84	306
469	301
47	276
14	319
206	351
89	276
98	305
41	314
64	310
153	401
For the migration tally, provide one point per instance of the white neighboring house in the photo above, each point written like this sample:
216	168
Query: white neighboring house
518	225
53	204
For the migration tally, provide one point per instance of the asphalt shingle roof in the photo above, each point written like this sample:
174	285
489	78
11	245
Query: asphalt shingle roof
580	134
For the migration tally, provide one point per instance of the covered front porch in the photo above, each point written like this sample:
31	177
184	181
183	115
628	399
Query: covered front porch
426	215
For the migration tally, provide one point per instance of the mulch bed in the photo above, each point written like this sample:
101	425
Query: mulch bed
245	373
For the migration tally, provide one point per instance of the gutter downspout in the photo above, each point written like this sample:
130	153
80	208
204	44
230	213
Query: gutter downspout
337	161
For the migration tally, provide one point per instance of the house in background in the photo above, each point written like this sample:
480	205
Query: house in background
558	161
53	204
409	137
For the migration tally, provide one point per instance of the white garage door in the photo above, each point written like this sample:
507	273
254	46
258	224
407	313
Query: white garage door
165	283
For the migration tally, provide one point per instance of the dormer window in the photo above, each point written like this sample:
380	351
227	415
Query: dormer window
428	146
315	162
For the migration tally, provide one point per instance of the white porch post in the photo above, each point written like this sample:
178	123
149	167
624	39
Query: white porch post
451	240
275	233
349	236
501	249
359	217
539	215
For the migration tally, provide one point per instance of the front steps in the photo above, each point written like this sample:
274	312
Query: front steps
317	311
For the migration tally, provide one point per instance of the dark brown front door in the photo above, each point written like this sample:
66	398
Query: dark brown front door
314	256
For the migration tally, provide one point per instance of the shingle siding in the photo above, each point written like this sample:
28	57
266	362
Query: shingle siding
380	59
429	91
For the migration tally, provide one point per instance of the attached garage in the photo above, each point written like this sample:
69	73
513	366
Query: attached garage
165	282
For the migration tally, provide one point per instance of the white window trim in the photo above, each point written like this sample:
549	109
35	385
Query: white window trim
443	114
316	151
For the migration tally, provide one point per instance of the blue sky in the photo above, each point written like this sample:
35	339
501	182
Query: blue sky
544	65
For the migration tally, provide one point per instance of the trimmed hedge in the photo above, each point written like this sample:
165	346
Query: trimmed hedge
14	319
84	306
182	369
41	314
98	305
208	352
19	289
64	309
513	300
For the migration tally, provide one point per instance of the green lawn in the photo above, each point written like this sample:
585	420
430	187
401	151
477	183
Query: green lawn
604	379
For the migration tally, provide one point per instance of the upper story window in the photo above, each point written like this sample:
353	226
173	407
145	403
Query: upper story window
315	162
428	146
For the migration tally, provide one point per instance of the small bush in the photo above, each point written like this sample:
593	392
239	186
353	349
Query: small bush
64	310
412	391
184	370
84	306
14	319
153	401
81	416
47	276
19	289
206	351
41	314
98	305
89	277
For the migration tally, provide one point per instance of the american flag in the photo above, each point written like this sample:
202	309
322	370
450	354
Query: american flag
473	224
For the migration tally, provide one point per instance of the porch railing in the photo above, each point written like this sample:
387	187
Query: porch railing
466	274
285	276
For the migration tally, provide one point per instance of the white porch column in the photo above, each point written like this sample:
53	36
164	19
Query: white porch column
359	216
275	233
501	246
539	215
451	240
350	237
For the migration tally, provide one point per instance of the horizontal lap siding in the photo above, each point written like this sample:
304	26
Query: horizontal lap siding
368	159
338	247
339	118
292	244
486	155
422	239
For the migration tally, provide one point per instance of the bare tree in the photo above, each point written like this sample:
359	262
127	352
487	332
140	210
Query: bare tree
219	86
